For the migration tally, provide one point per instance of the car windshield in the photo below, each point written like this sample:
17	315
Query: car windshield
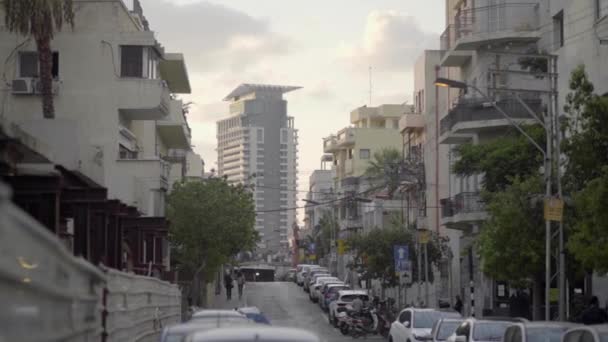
545	334
175	337
446	329
426	319
337	288
490	331
604	337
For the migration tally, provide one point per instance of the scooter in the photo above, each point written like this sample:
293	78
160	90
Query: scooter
360	325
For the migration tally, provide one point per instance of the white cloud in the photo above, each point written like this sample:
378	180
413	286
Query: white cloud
212	35
392	41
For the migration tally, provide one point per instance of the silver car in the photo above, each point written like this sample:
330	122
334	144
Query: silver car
537	331
589	333
254	334
215	314
179	332
443	328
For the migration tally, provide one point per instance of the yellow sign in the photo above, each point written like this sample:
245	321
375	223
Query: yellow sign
554	295
312	257
554	209
341	247
424	236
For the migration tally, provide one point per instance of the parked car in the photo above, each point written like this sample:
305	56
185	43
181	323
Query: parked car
215	315
443	328
254	314
473	330
179	332
312	278
415	324
315	289
330	293
537	331
345	298
299	270
587	333
254	334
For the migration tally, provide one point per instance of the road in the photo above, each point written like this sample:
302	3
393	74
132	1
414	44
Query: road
285	304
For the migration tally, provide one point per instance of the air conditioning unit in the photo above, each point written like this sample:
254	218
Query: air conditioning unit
24	85
38	86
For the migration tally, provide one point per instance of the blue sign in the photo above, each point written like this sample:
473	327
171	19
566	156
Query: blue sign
311	247
402	256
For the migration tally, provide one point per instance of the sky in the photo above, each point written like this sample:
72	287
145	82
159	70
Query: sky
325	46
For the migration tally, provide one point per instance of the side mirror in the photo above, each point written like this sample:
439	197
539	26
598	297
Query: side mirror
460	338
406	324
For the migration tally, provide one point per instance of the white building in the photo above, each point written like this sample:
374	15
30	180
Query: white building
320	191
258	145
483	45
118	119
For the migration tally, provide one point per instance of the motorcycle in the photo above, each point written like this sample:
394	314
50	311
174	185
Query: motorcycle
360	324
385	318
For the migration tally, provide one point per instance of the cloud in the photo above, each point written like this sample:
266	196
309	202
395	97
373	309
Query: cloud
211	34
391	42
320	92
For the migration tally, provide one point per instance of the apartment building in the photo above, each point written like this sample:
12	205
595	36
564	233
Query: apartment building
320	191
483	45
258	145
119	127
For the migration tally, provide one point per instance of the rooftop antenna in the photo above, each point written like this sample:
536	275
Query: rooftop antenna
370	85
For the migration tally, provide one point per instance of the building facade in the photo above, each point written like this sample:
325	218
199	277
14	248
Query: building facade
119	127
258	146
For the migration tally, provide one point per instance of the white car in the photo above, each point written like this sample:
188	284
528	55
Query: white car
312	278
179	332
257	333
315	288
345	298
588	333
414	325
330	293
300	269
443	328
474	330
538	331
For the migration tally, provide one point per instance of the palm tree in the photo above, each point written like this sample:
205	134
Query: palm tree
40	19
384	169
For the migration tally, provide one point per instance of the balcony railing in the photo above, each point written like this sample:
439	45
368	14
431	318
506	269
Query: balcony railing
476	109
481	21
462	203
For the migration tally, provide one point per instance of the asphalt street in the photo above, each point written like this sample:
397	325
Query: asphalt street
286	305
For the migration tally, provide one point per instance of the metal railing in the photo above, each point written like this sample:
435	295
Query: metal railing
514	17
476	109
462	203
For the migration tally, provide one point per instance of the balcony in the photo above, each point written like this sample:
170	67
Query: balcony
143	99
473	115
484	25
173	70
174	130
154	173
330	144
462	211
411	123
346	137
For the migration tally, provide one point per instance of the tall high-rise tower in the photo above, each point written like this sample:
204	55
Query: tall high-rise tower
257	145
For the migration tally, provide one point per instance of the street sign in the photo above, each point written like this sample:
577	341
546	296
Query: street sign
401	256
424	236
311	248
554	209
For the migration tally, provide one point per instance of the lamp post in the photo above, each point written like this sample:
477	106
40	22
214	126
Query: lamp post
547	157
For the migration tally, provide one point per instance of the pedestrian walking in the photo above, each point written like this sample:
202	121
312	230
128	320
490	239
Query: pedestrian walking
240	280
594	314
458	304
228	284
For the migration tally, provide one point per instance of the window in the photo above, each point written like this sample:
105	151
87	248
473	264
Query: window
283	136
602	8
364	153
260	134
490	331
406	316
131	61
463	330
29	66
125	153
558	29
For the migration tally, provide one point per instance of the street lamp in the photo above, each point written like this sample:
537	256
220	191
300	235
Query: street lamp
547	156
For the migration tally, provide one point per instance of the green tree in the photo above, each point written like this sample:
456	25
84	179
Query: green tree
211	221
40	19
374	253
511	243
383	169
586	151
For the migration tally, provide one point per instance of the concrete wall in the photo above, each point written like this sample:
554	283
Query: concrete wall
139	307
47	294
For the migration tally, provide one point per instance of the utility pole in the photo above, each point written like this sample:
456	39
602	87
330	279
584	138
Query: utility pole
426	274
